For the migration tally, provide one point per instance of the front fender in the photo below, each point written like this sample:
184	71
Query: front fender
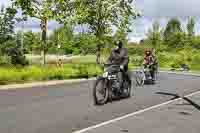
100	78
107	82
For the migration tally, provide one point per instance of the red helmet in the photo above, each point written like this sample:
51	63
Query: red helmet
148	52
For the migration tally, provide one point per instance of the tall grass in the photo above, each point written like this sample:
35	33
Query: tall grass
37	73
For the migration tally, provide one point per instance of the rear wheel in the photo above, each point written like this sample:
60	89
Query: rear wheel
100	92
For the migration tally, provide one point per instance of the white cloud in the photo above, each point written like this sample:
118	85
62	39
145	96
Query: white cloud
170	8
5	3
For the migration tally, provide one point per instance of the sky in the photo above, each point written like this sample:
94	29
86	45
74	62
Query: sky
162	11
151	10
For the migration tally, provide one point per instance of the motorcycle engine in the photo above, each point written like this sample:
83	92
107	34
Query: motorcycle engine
116	84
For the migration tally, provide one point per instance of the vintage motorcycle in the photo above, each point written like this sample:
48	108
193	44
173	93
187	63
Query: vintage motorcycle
107	86
144	76
147	75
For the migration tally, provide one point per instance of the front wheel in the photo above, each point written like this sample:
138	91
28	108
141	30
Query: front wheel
140	78
100	91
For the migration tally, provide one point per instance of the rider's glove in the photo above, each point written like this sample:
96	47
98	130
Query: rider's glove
121	67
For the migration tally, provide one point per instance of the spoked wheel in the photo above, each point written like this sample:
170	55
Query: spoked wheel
100	92
140	78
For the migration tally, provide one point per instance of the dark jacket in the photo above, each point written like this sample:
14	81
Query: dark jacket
119	57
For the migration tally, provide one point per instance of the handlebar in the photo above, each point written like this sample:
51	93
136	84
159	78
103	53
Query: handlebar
111	65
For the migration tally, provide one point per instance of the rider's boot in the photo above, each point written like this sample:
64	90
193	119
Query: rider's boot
153	75
121	76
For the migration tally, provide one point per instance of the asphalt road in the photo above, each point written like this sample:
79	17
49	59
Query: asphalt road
179	116
67	108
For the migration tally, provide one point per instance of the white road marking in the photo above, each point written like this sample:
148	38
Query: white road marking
181	73
132	114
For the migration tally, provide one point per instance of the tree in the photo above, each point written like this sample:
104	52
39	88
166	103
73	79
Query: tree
190	27
173	35
178	40
155	35
31	42
44	10
84	43
173	26
7	21
64	11
18	38
63	36
72	43
101	15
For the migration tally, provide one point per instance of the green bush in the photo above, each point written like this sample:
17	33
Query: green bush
4	60
136	50
38	73
177	61
195	64
175	65
196	59
9	74
136	60
165	59
19	60
17	57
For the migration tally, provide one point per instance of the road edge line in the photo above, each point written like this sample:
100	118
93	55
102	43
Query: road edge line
43	84
181	73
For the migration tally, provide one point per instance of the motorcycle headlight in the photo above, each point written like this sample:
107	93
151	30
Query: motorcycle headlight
105	75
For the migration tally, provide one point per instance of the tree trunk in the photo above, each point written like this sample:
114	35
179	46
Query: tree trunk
44	36
98	54
99	31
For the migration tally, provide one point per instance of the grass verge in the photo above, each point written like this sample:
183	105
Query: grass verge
12	75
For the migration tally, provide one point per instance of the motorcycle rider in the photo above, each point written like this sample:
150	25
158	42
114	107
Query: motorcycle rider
155	64
119	56
150	61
